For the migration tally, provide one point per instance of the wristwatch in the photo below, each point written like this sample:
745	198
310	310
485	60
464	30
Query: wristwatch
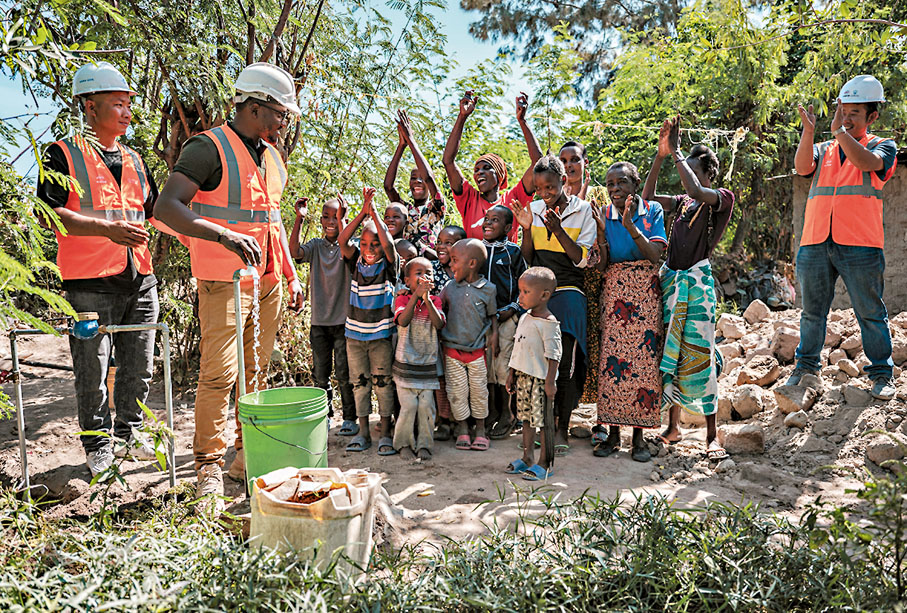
840	130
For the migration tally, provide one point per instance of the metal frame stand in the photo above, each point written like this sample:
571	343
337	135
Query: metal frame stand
17	383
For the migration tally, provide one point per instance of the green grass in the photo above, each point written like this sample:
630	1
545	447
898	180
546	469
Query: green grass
585	555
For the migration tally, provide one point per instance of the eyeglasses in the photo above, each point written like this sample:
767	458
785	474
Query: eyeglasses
284	115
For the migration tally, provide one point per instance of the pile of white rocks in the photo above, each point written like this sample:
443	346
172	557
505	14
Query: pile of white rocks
758	353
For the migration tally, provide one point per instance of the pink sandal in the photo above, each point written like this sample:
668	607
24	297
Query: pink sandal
480	444
464	443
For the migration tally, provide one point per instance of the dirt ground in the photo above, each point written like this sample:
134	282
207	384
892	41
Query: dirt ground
441	497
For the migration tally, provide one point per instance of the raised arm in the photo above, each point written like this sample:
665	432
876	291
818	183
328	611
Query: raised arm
346	232
454	174
302	210
601	238
384	236
667	132
391	176
523	215
804	163
422	166
691	185
532	143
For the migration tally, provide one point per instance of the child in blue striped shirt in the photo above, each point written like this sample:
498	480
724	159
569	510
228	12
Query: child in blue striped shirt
375	268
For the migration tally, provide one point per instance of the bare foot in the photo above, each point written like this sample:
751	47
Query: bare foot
407	454
424	455
560	437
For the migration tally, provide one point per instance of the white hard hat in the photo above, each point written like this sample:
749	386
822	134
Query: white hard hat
100	77
267	82
862	88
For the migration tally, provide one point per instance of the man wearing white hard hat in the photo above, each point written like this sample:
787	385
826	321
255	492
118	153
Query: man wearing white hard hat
104	260
842	231
223	197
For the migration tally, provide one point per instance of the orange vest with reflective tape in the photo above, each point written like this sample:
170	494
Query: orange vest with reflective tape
245	202
844	202
93	257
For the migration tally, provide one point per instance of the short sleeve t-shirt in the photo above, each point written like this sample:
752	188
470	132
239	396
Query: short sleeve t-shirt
329	282
472	208
371	298
469	308
886	148
416	356
690	232
537	340
648	219
56	196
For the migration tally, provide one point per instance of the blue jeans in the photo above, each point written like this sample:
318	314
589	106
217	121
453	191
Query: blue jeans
862	269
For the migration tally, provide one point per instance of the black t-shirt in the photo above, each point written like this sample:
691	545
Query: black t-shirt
56	196
200	161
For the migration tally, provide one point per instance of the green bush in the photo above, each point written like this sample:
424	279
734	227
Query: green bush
585	555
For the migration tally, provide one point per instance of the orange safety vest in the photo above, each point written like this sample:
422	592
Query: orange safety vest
844	201
244	202
93	257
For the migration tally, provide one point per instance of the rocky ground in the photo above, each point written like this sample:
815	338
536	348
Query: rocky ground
788	445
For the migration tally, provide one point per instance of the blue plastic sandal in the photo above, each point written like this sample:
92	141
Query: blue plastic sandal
349	428
517	467
537	473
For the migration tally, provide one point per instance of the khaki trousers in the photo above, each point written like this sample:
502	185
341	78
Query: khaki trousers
219	368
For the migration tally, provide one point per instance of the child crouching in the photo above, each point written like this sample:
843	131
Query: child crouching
533	368
470	304
418	317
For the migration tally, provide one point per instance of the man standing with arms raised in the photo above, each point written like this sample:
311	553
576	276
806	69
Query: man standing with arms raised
223	197
842	231
104	260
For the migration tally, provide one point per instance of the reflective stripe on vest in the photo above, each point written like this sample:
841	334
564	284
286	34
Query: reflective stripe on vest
247	200
844	203
91	257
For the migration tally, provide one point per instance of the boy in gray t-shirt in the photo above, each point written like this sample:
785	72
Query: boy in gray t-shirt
329	284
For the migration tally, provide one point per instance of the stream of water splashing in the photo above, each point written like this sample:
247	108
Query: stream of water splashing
256	332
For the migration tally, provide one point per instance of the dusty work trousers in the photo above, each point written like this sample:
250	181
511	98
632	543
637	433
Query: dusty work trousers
467	388
370	368
417	415
219	367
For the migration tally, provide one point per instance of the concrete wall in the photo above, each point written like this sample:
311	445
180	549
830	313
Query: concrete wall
895	222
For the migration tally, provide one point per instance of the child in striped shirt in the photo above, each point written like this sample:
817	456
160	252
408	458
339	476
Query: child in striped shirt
375	268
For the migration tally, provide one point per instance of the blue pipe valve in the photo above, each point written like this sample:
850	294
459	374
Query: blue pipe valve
86	326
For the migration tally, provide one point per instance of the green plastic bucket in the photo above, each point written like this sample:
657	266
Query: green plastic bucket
285	426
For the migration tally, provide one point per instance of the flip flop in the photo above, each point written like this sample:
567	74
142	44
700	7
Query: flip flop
561	450
665	441
517	467
464	443
537	473
480	444
716	453
385	443
349	428
359	443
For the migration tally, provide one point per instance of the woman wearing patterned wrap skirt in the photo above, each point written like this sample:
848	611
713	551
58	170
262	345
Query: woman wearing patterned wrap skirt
631	238
690	365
